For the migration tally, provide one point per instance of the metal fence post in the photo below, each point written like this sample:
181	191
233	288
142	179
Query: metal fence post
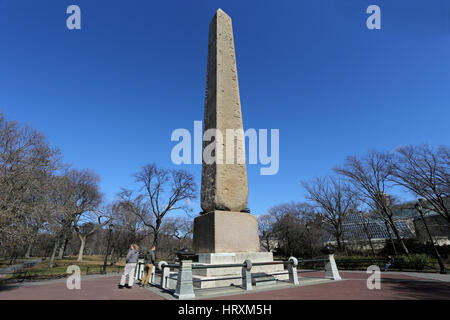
141	271
138	271
185	286
292	267
152	275
247	275
165	272
331	270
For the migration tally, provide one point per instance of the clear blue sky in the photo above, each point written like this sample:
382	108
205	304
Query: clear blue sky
110	95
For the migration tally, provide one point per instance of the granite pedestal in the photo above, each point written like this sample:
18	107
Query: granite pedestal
222	277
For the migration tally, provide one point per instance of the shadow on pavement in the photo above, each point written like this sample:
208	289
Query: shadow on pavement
418	289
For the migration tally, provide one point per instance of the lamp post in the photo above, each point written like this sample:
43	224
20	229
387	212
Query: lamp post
323	230
310	240
111	226
419	208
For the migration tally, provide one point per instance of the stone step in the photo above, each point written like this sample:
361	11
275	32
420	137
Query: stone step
263	279
231	271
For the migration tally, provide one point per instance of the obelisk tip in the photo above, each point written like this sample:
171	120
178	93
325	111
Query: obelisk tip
220	11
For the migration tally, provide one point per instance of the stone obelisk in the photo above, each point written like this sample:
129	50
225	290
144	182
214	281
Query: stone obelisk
224	226
225	233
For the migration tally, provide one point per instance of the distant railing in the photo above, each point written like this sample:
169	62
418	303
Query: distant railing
35	275
359	263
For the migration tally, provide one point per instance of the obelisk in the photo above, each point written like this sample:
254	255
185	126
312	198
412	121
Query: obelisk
224	225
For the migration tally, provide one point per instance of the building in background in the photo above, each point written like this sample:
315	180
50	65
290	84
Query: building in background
360	227
438	226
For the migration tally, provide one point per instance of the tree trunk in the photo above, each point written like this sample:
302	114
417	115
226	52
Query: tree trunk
397	235
367	232
61	252
371	246
390	238
28	253
82	245
339	244
345	247
111	262
52	258
155	239
62	249
339	237
369	238
13	257
156	232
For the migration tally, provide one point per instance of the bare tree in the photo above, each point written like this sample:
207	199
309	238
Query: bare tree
180	227
35	197
334	201
26	164
166	191
175	234
370	176
365	221
129	228
266	228
88	229
290	222
60	222
79	202
125	215
425	171
55	228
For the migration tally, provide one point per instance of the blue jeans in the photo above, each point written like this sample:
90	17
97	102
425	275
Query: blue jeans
387	266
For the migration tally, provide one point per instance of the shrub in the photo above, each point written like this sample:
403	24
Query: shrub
358	262
415	246
403	262
414	261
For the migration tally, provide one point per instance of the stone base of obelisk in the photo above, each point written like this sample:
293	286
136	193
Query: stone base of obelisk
223	277
226	237
226	231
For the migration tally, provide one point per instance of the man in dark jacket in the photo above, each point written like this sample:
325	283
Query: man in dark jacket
131	260
149	261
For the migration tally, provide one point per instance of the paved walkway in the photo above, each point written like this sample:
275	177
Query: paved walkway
425	275
394	286
92	288
432	276
352	287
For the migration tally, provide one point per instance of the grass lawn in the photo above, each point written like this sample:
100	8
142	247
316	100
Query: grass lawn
94	263
89	265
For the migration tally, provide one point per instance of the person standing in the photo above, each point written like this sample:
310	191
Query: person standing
130	266
149	261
